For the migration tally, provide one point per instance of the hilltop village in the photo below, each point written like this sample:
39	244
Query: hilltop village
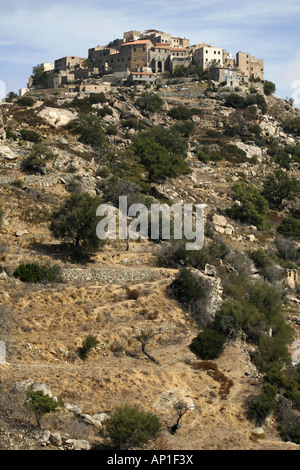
145	59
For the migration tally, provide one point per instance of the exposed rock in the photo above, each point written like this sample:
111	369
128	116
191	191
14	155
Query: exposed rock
167	400
90	420
57	117
20	233
56	439
7	153
42	387
2	352
77	444
221	225
251	150
72	408
258	433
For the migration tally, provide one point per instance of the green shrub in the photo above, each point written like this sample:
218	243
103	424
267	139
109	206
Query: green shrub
32	272
186	128
81	105
279	186
25	101
30	136
269	88
272	351
105	111
180	112
186	287
290	227
134	123
230	318
292	125
252	207
90	131
205	155
150	101
111	130
130	428
161	151
41	403
259	408
235	101
261	258
209	344
76	221
36	161
89	343
266	298
96	98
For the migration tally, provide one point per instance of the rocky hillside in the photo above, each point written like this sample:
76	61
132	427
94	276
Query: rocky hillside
238	153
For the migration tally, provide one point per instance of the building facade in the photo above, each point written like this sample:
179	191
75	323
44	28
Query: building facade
250	66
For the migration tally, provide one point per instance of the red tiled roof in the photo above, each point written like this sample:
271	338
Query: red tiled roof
138	41
143	73
162	44
178	49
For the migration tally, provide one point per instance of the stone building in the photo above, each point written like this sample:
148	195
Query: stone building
249	65
229	77
68	63
142	78
206	54
159	57
179	56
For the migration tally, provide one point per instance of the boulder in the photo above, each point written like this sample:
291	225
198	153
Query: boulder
72	408
221	225
77	444
41	387
56	439
2	352
57	117
7	153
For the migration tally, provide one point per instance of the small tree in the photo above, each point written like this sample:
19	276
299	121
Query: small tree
129	428
89	129
40	77
252	207
279	186
209	344
75	221
41	403
269	88
150	101
182	408
89	343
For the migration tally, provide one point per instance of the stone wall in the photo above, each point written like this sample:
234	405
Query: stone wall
115	276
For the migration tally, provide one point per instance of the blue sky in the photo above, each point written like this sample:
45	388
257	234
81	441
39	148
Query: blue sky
35	31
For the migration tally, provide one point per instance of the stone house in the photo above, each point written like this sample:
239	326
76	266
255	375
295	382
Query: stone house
159	57
226	75
179	56
68	63
206	54
142	78
249	65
